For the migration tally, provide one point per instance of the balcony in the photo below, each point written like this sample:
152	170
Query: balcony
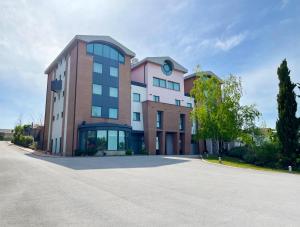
56	85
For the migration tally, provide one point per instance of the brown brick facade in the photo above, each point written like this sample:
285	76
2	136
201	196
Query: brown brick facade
170	124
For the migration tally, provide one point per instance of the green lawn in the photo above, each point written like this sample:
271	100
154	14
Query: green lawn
229	161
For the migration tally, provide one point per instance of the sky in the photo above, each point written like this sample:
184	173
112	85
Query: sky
244	38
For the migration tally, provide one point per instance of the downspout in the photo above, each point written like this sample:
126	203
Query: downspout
75	98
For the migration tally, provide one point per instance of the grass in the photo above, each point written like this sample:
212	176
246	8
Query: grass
235	162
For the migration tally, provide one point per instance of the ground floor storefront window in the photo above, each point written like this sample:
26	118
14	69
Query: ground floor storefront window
93	141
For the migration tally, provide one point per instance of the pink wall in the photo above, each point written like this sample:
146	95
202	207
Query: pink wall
166	95
137	74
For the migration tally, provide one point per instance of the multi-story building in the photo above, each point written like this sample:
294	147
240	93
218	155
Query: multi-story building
98	101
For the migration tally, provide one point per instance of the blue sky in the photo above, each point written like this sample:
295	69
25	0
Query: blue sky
244	38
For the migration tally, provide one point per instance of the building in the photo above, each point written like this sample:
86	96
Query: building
6	134
100	100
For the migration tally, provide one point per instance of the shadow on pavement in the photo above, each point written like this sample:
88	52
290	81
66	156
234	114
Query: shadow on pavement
117	162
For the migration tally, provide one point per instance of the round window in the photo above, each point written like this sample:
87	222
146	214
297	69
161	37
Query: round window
167	68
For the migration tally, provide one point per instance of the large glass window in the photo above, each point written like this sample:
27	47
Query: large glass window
97	89
113	92
97	67
112	140
136	97
121	58
91	140
90	48
181	122
96	111
121	140
113	71
106	51
162	83
98	48
113	113
171	85
101	140
114	54
136	116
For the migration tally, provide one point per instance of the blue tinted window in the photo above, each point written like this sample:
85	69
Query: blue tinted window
189	105
97	67
90	48
114	54
136	97
177	102
112	140
113	113
121	140
136	116
96	111
113	71
155	98
121	58
98	49
170	85
113	92
155	82
162	83
106	51
176	86
97	89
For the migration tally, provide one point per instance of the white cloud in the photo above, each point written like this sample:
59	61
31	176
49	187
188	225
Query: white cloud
230	42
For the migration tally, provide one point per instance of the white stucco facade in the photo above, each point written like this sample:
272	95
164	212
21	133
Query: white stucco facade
137	107
58	107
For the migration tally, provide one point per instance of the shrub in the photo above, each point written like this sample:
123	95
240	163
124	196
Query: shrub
129	152
238	152
249	156
267	155
144	152
91	151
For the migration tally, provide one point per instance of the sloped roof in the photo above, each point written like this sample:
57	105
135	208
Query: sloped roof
90	38
160	61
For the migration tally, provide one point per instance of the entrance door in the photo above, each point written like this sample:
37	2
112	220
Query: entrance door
169	144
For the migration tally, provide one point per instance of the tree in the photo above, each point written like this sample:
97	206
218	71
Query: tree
218	111
287	124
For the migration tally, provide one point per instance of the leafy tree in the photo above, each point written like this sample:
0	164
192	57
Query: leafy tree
218	111
287	124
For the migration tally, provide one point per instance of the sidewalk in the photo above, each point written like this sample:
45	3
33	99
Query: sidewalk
39	153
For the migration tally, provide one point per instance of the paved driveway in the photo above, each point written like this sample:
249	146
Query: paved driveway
141	191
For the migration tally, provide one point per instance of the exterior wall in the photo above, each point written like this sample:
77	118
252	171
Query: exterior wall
170	124
81	95
138	74
166	95
188	85
137	107
58	108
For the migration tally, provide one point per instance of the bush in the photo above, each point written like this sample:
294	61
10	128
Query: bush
91	151
267	155
249	157
238	152
129	152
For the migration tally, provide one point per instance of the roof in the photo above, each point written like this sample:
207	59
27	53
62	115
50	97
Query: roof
6	130
160	61
210	73
90	38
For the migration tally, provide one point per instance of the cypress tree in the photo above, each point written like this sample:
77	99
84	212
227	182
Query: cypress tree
287	124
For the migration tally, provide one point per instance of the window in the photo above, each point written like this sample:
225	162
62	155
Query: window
113	92
54	99
53	118
112	140
167	67
155	82
114	54
136	97
101	140
97	67
113	113
57	116
177	102
121	58
96	111
189	105
121	140
162	83
159	119
157	143
176	86
97	89
171	85
136	116
98	49
113	71
181	122
106	51
90	48
155	98
62	114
